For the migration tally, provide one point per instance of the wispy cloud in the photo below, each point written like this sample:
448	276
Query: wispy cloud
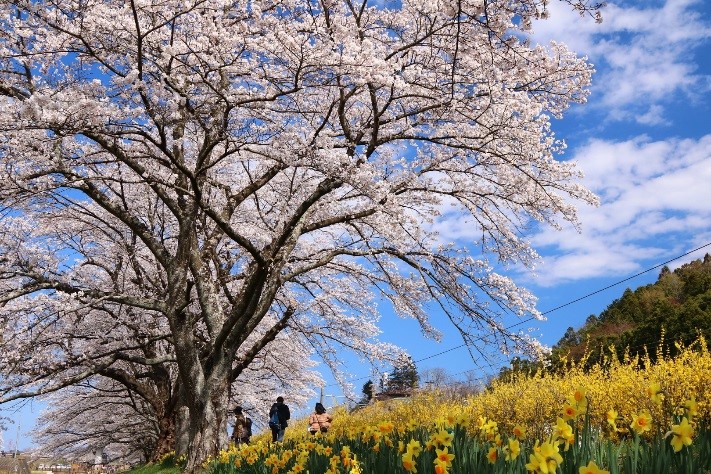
655	197
654	191
655	203
644	55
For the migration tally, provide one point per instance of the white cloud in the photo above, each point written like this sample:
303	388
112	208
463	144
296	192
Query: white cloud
643	56
655	203
653	116
654	191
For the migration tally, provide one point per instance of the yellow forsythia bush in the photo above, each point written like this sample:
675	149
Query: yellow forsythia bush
630	415
625	386
534	402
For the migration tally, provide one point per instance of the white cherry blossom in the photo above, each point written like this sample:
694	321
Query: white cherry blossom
211	176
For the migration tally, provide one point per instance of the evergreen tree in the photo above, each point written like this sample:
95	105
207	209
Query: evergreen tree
368	390
404	377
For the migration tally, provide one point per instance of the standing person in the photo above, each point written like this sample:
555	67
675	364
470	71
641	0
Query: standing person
319	420
249	430
278	416
242	431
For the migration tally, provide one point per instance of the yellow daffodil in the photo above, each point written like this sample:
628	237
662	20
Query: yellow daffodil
492	455
545	459
691	407
414	447
440	422
386	427
682	434
562	431
440	468
533	464
490	428
272	460
444	438
355	467
512	449
550	453
592	468
641	423
408	463
444	457
569	412
481	421
579	396
579	400
519	432
654	392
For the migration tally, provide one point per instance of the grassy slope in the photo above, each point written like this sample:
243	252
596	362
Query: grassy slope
154	469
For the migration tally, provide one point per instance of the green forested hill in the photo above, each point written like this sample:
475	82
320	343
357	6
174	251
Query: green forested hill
678	304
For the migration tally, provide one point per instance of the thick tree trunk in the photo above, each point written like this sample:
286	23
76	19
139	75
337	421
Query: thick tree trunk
204	376
182	440
166	437
208	426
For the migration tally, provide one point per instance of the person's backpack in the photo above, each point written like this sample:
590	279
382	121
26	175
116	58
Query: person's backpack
248	425
274	420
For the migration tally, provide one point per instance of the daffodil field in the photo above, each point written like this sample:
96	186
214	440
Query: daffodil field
620	416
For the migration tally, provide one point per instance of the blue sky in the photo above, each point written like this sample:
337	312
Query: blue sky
644	143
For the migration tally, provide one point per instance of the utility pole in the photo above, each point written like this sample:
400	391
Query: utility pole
17	441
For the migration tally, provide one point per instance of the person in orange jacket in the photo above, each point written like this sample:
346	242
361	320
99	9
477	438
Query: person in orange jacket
319	420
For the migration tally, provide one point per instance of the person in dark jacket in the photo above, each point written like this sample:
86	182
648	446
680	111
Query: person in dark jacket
278	419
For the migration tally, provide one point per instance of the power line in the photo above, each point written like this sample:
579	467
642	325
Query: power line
440	353
530	318
626	279
554	309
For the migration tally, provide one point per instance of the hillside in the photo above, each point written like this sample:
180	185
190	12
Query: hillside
676	308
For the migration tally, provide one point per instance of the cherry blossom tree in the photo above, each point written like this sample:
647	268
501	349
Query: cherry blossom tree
97	415
208	174
45	352
129	419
